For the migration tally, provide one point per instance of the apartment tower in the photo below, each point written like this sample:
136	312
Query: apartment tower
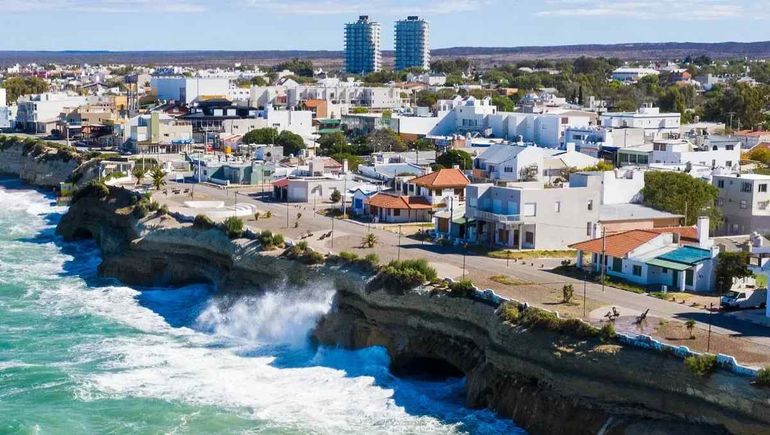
412	43
363	54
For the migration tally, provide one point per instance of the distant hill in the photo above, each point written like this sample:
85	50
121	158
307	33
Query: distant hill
484	55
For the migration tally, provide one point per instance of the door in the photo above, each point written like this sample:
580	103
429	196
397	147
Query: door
675	279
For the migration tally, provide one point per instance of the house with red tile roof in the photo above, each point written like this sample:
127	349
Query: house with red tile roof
394	208
675	258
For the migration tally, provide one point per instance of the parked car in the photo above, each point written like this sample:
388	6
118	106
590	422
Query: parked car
743	299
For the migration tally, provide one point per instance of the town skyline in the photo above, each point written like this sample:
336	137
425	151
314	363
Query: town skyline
269	25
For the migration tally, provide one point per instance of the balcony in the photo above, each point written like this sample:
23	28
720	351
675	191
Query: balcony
475	213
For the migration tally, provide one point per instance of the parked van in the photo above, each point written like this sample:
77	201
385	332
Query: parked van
744	299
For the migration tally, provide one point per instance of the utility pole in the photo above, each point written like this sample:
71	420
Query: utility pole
332	238
398	255
708	341
604	255
585	284
287	205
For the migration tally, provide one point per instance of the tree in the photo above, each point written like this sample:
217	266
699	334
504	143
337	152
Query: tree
336	196
503	103
265	135
17	86
354	161
690	325
139	172
369	240
567	292
422	144
455	157
332	143
680	193
529	173
300	67
292	143
760	155
427	98
386	139
731	265
158	176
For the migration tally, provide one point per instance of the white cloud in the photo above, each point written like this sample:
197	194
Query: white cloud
370	7
103	6
688	10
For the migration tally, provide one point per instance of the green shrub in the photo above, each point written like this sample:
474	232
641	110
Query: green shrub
535	317
233	227
406	275
373	260
607	332
266	240
163	210
701	365
153	206
302	245
278	239
94	189
577	328
140	210
461	289
314	257
509	311
348	256
203	222
763	377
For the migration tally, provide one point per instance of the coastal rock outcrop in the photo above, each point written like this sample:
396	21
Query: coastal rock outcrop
38	167
547	382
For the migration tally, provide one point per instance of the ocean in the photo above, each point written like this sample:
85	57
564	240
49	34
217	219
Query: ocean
80	354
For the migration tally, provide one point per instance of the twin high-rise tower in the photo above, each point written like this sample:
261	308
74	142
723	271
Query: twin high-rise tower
363	52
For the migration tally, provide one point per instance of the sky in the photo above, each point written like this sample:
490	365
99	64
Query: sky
318	24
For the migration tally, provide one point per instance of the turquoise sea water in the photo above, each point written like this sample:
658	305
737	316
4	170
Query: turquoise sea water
85	355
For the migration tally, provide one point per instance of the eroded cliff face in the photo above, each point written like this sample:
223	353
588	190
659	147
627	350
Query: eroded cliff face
40	170
158	251
546	382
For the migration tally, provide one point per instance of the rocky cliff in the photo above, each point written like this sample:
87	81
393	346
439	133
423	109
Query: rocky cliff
36	163
547	382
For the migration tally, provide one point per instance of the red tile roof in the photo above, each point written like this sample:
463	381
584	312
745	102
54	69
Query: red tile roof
617	245
441	179
283	182
386	200
687	234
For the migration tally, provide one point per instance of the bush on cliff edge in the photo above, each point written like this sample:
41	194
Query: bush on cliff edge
94	189
405	275
701	365
203	222
233	227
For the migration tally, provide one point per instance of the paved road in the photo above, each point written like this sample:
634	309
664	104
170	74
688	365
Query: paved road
477	265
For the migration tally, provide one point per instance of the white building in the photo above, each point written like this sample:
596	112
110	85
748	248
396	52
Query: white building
654	123
189	89
430	79
506	162
296	121
717	154
40	113
626	74
5	113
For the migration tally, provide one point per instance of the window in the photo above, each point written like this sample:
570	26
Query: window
590	204
617	264
588	229
688	277
529	237
637	270
557	206
508	169
744	204
721	184
396	212
729	163
763	188
745	187
730	147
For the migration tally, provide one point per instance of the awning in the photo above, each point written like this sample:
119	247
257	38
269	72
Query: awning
667	264
462	221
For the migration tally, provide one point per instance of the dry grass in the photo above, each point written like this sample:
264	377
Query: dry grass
527	255
507	280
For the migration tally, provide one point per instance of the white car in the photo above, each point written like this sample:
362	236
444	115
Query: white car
744	299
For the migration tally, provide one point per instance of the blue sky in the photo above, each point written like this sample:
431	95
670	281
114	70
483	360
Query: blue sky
317	24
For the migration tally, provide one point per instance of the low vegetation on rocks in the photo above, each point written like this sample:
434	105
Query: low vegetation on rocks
701	365
461	289
763	377
233	227
94	189
405	275
203	222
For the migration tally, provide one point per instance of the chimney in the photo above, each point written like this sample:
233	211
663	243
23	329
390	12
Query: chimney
345	166
570	146
703	233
